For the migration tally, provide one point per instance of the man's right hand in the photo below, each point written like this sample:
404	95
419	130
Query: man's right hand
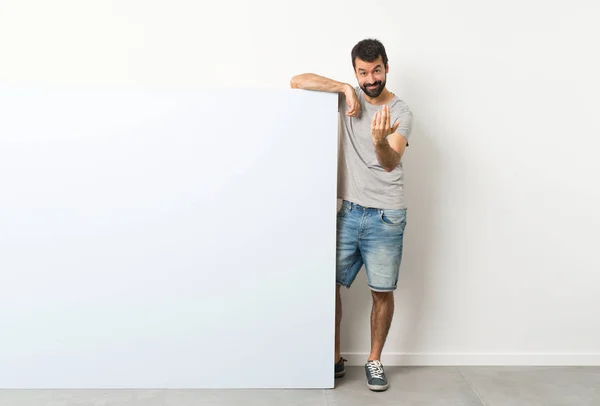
353	103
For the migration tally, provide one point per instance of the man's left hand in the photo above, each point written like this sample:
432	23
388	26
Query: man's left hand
380	126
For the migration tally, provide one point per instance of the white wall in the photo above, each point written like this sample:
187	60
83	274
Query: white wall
500	263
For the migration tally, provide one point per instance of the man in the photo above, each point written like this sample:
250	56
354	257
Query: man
370	224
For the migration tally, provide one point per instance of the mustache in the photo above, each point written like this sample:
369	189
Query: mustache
378	83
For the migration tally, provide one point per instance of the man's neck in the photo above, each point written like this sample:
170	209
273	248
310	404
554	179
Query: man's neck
385	97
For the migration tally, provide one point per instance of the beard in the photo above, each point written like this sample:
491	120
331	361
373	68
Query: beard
373	91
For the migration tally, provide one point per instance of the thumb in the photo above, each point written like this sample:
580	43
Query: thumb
395	127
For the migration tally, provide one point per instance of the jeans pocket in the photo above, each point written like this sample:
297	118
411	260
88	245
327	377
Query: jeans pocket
393	217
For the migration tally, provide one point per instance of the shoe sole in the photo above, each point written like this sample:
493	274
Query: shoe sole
340	374
378	388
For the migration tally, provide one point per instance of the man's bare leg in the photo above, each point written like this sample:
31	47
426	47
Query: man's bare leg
381	320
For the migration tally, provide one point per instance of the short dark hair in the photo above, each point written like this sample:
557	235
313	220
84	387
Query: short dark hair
369	50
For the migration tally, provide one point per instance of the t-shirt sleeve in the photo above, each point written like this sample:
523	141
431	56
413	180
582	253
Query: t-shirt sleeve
405	117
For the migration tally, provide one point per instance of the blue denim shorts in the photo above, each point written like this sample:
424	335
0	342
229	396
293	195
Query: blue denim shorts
371	237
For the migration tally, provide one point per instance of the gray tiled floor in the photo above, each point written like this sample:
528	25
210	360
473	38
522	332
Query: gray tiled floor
436	386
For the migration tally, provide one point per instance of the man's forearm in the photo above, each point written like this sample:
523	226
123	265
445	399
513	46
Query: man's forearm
386	156
310	81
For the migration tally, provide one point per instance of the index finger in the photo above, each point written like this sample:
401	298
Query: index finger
351	108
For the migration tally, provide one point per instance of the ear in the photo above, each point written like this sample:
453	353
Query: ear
387	68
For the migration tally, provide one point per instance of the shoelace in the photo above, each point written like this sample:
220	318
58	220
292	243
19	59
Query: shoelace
375	369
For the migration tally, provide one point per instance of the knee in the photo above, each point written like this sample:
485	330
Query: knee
383	297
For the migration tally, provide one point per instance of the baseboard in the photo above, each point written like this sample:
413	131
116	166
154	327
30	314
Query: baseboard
479	359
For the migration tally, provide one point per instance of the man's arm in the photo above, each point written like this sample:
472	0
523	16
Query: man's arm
311	81
389	152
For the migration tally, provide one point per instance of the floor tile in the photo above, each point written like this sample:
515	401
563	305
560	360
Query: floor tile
531	386
254	397
93	397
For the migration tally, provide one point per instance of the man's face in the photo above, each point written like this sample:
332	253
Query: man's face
371	76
